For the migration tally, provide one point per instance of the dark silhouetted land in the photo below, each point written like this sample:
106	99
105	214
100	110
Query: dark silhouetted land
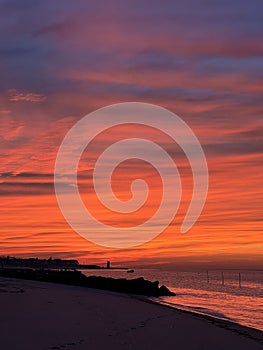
133	286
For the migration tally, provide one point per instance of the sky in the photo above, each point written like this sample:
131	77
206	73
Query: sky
200	59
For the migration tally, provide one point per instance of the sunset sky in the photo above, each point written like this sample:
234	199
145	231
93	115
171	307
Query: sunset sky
201	59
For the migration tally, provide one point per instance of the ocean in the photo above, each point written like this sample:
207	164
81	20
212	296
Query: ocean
207	292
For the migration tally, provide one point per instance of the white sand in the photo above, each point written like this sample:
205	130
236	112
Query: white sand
38	316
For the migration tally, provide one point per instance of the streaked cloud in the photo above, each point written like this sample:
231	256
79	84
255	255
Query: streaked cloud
16	96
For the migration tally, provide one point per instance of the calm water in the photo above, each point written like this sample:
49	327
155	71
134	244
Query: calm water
193	292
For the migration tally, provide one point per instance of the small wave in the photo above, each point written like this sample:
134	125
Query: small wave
199	310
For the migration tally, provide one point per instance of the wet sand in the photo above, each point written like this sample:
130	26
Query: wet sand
36	315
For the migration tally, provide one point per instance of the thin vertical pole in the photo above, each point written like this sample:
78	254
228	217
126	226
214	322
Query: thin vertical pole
223	279
207	276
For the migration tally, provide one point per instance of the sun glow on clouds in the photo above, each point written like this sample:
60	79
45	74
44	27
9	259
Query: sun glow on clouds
202	62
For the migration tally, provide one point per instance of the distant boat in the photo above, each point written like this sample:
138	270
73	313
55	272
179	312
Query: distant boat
130	271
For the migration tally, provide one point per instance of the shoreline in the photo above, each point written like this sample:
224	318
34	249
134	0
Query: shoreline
250	332
125	321
139	296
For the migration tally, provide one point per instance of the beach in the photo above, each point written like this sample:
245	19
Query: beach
40	316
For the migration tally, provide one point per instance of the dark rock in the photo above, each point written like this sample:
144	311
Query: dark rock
133	286
164	291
